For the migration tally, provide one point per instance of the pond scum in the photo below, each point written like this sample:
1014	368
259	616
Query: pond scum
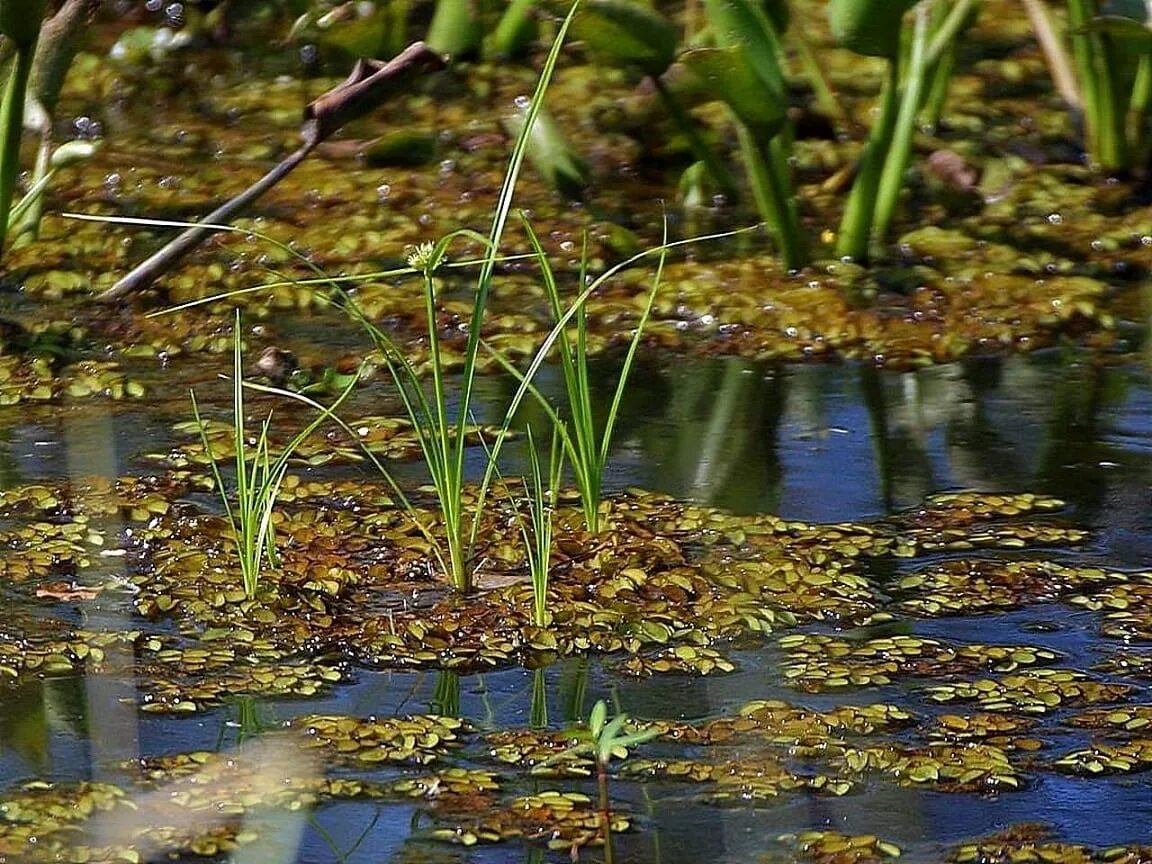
131	581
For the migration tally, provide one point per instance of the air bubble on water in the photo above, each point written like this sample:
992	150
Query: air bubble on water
383	191
1055	218
522	102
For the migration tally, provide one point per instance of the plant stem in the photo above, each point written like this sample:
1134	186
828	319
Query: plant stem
900	148
944	36
856	223
717	170
1094	64
1056	55
605	810
773	197
825	97
12	130
1139	135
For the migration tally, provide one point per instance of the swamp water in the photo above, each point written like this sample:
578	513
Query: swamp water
868	611
820	444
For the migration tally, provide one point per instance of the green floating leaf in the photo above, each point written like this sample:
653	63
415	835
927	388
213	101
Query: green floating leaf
627	34
869	27
726	74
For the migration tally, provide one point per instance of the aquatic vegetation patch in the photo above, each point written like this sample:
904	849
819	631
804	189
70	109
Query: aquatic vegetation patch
562	820
35	379
737	781
1123	758
31	646
681	659
1005	731
947	767
816	662
1120	720
981	585
546	753
387	437
1036	691
196	678
1027	843
417	739
1129	664
836	847
41	810
1126	607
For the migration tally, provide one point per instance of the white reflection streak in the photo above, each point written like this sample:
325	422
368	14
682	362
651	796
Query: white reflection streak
90	443
273	770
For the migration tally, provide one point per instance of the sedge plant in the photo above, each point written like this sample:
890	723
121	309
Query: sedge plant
443	429
1112	57
20	24
586	441
542	498
259	474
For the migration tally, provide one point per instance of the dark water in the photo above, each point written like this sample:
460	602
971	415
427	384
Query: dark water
818	443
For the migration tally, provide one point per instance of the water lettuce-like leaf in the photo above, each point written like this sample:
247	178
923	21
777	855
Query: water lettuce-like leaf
753	25
870	27
551	154
627	34
726	74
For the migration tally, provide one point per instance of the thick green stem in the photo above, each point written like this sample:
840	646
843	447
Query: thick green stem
813	70
715	167
773	195
945	35
12	130
900	148
856	223
1139	135
1103	121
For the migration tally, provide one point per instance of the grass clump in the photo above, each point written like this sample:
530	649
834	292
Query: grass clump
259	475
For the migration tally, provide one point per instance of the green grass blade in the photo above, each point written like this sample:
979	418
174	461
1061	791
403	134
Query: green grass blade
629	359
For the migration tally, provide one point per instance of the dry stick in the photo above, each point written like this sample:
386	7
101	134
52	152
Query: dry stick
370	83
